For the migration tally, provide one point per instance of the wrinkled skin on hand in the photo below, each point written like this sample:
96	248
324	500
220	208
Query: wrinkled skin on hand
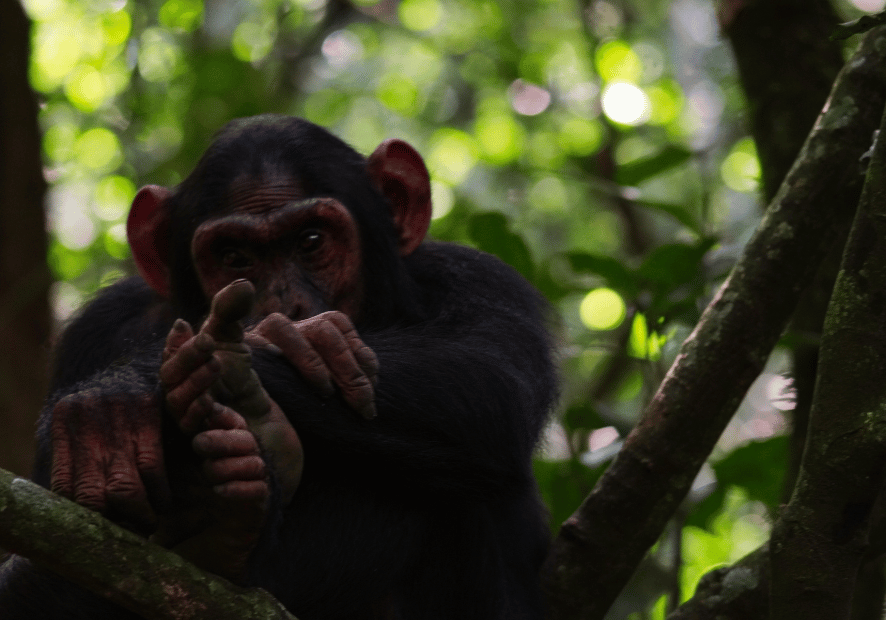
108	453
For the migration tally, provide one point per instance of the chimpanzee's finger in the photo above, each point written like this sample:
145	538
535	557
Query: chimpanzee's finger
196	415
89	456
283	333
364	355
225	418
244	491
188	357
355	385
220	443
182	398
62	475
180	333
148	446
231	469
228	307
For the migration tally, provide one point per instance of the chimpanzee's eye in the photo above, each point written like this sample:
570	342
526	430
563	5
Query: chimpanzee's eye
233	258
309	241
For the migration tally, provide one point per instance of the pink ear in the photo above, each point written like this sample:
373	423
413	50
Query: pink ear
400	173
147	229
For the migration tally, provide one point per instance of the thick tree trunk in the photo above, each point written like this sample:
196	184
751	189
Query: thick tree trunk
24	276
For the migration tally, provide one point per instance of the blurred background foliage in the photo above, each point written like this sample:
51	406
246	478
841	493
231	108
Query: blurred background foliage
598	146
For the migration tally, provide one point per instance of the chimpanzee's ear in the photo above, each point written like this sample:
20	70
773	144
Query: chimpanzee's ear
400	173
147	229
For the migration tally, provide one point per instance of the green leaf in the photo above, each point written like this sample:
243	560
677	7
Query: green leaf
678	212
638	171
757	467
564	485
616	275
582	415
674	264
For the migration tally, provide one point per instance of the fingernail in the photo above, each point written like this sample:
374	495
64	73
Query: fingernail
369	411
274	349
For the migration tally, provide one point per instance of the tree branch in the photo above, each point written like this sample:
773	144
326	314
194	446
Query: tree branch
92	552
599	547
820	540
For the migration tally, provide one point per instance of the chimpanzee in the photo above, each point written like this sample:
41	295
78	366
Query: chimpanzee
393	391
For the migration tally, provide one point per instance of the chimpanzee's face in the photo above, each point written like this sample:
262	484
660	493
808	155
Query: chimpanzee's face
302	254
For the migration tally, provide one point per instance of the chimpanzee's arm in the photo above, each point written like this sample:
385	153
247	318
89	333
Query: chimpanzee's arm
462	396
437	489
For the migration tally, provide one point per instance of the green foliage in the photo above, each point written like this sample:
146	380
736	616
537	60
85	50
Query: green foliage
564	484
756	468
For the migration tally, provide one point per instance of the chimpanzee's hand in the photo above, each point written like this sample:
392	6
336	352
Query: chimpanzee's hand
223	518
198	372
107	454
325	349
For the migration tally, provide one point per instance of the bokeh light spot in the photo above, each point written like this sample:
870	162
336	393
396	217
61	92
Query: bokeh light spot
549	194
117	26
741	168
616	61
665	105
420	15
642	343
158	57
398	93
500	137
453	153
528	99
580	136
442	198
181	14
113	195
56	53
602	309
98	149
341	48
871	6
252	42
626	104
86	89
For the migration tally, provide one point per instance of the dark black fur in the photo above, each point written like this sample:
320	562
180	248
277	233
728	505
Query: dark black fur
430	511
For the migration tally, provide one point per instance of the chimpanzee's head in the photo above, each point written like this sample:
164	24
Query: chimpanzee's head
310	222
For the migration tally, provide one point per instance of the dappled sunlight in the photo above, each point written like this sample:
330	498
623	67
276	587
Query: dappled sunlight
529	99
602	309
626	104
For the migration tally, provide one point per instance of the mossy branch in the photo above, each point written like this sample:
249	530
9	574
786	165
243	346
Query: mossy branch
87	549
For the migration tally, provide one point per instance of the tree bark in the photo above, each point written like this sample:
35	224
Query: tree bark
820	540
87	549
25	317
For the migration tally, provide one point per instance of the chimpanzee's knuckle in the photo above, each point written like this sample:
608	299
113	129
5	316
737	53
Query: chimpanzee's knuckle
339	320
273	324
90	492
123	485
62	482
359	385
149	460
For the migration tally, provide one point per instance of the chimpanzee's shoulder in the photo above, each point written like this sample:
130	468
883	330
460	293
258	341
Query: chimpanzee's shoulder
122	318
476	279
